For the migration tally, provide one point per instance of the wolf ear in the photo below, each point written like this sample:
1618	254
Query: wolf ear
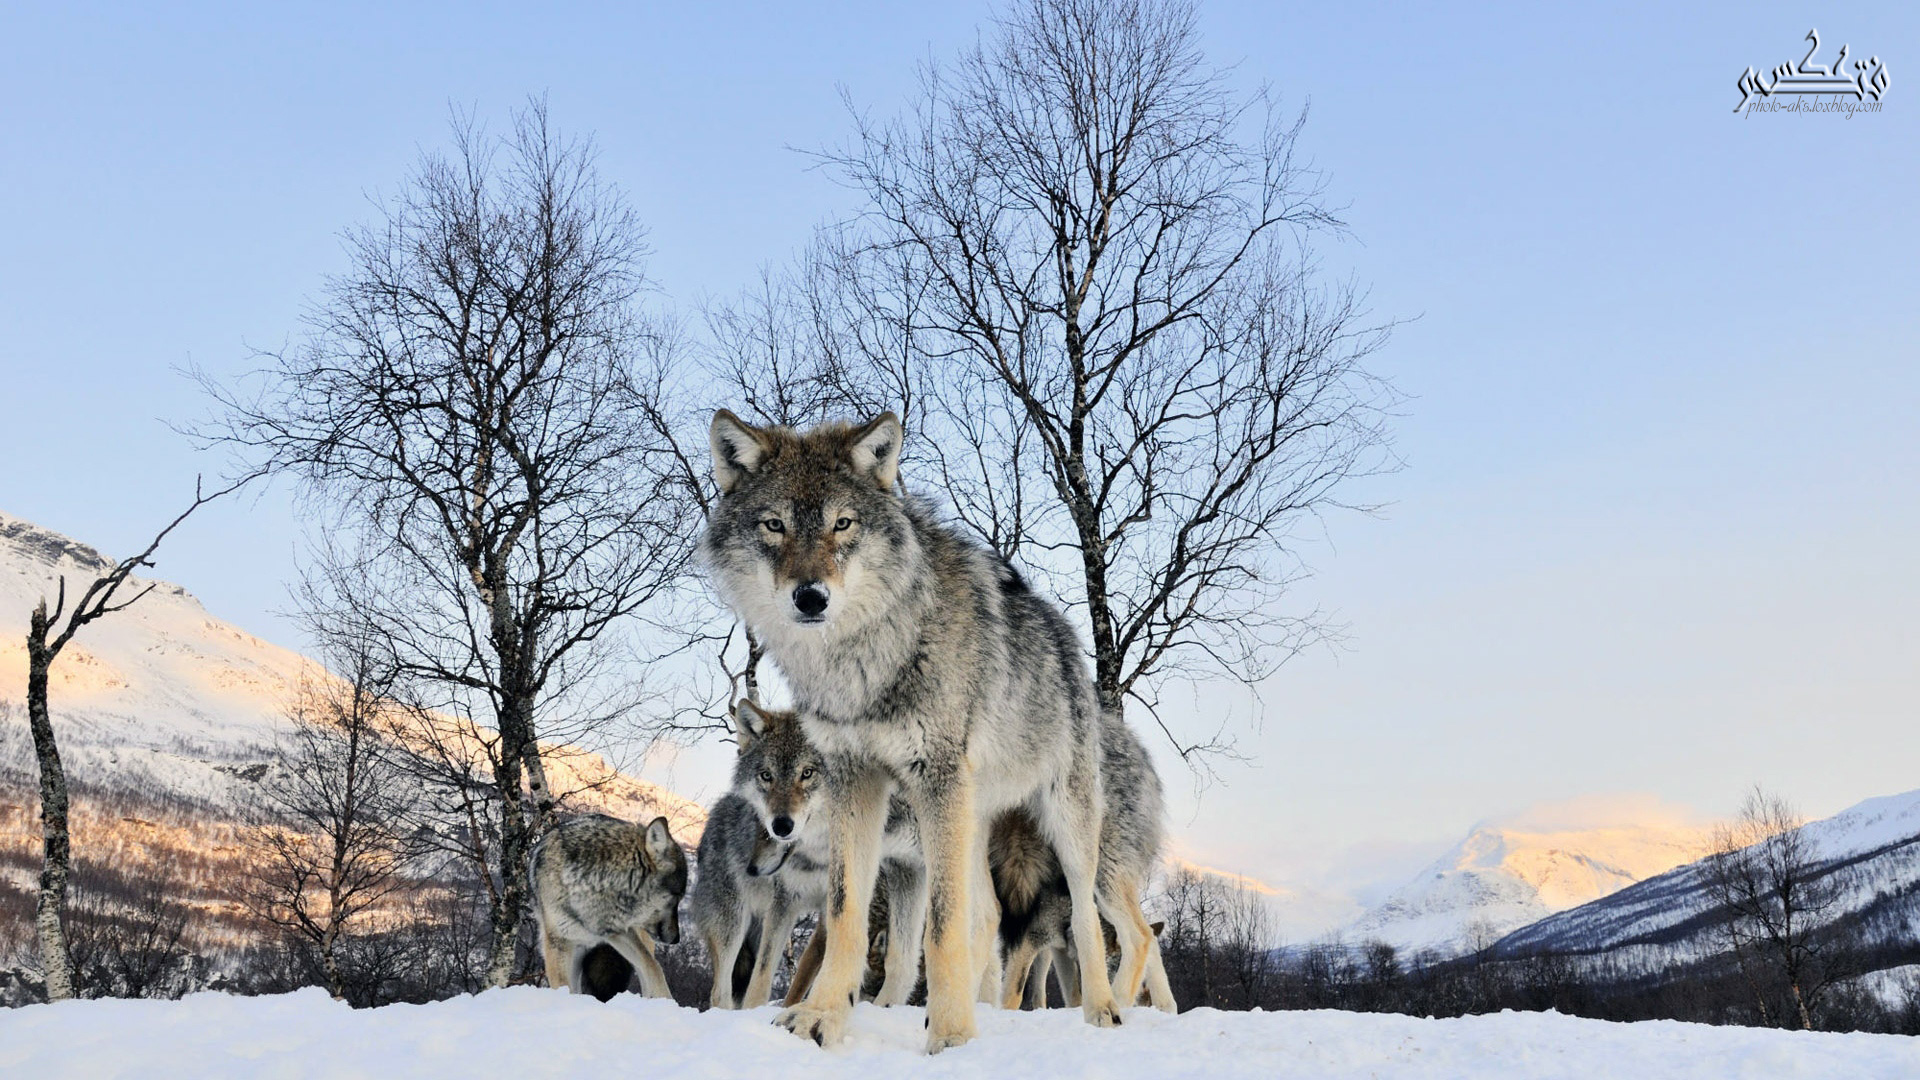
876	449
748	722
660	841
1157	927
738	449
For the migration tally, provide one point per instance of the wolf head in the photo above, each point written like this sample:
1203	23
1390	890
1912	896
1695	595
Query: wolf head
808	533
779	774
666	864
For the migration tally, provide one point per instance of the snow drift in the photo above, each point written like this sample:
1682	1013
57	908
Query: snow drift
527	1032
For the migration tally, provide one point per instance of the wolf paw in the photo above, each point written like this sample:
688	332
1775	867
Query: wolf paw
824	1026
1104	1015
947	1040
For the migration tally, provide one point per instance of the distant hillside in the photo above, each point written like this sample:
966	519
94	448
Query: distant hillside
167	718
1511	872
1872	849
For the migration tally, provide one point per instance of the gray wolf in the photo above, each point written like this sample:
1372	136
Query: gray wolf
919	661
763	863
1033	896
599	880
739	911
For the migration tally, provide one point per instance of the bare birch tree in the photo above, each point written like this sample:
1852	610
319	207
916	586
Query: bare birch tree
335	805
48	632
1090	263
1776	896
469	414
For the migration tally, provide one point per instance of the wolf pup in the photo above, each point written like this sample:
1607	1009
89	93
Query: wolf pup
600	880
919	660
763	863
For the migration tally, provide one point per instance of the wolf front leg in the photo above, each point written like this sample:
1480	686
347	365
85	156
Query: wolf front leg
906	922
857	811
1020	968
1036	994
1066	969
558	959
808	966
638	949
724	941
986	929
949	835
775	929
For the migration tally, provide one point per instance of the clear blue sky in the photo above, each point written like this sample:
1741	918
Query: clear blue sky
1659	524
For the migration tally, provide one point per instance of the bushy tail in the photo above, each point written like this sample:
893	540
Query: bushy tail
604	972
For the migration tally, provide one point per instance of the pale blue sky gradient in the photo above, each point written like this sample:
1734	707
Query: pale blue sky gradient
1659	522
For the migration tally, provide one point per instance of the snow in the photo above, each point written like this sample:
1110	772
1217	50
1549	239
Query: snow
1876	842
1867	827
528	1032
1515	871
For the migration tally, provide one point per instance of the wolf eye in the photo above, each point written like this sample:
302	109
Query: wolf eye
775	525
766	776
807	773
843	525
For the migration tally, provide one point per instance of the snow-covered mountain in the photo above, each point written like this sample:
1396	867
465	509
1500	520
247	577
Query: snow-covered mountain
1513	871
1871	849
166	717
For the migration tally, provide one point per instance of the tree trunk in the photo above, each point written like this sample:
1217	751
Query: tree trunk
57	853
521	812
511	906
330	962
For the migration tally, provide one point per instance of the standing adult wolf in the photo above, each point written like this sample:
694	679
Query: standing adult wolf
918	659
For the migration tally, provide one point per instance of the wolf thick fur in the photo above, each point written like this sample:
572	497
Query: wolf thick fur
763	862
1032	891
600	880
918	660
734	907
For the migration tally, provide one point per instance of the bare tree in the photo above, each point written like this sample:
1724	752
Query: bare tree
1088	261
330	847
1195	908
128	939
1249	946
48	632
1775	896
470	412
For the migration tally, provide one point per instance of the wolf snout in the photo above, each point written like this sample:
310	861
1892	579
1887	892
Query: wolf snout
781	826
810	600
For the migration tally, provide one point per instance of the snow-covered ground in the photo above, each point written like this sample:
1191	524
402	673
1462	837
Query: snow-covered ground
526	1032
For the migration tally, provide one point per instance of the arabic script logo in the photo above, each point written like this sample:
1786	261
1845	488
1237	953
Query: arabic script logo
1869	79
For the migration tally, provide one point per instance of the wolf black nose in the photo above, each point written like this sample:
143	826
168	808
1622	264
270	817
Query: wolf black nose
810	599
782	826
